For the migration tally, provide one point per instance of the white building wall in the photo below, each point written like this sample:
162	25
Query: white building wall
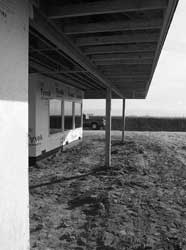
14	206
41	140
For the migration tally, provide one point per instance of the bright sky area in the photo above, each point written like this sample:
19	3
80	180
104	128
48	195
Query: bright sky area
167	93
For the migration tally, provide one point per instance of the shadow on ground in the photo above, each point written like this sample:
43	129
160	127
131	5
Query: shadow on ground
139	203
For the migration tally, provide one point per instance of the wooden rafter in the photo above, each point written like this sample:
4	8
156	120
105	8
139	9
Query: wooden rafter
123	75
129	81
72	77
128	94
120	48
52	33
104	7
138	69
134	24
122	56
43	70
125	62
62	72
117	39
134	84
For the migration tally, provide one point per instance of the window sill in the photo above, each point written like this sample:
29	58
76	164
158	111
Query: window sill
57	133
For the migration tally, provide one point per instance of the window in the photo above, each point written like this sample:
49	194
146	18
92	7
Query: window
68	115
55	116
77	115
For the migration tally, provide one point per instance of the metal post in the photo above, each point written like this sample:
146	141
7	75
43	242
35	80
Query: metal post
108	129
123	122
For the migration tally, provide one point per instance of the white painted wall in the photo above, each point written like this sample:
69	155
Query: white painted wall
14	215
39	114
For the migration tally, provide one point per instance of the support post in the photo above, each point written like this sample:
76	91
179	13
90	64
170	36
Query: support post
123	122
82	114
108	128
14	202
62	117
73	118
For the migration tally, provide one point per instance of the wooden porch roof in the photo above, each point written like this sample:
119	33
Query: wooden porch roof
93	45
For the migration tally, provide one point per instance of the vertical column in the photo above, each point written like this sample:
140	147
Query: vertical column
108	128
82	114
123	122
73	112
14	205
62	115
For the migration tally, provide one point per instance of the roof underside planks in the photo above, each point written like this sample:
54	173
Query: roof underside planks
94	45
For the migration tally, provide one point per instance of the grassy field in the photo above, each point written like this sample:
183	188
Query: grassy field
138	204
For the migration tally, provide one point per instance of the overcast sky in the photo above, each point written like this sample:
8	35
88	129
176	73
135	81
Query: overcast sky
167	93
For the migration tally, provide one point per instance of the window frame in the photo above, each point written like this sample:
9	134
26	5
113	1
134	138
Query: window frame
71	101
80	103
62	117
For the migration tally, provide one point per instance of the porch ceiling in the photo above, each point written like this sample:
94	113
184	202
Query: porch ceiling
92	44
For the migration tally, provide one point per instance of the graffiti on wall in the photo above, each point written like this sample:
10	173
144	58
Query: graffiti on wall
35	140
7	7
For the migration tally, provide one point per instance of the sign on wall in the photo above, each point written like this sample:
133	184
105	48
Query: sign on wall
58	90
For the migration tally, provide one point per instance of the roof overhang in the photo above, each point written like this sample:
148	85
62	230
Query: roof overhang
94	45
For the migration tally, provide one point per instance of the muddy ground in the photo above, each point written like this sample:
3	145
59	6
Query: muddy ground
138	204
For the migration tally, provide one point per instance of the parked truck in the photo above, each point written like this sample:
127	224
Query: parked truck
93	122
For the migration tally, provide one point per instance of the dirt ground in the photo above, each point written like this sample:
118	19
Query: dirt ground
138	204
